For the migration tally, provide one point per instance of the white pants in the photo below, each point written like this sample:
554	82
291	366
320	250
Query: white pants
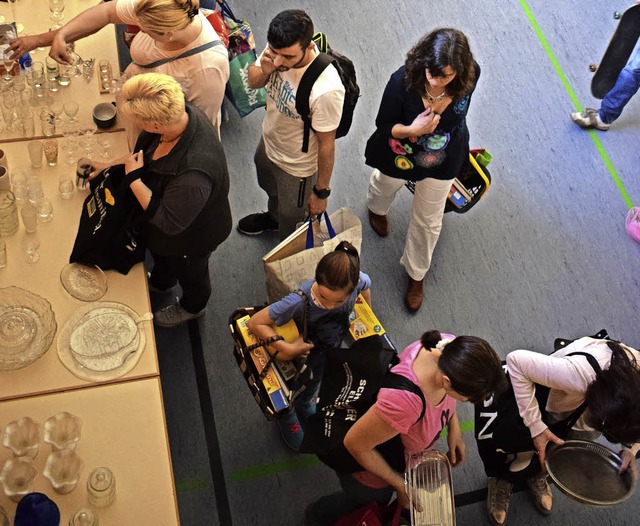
426	217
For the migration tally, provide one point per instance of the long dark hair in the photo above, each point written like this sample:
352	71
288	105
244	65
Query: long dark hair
613	398
339	270
435	51
471	364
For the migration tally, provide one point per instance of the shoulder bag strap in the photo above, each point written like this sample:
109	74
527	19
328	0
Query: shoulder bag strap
397	381
186	54
315	69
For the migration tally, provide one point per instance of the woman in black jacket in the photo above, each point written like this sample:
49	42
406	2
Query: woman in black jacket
421	136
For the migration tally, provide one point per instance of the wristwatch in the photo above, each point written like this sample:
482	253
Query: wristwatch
321	194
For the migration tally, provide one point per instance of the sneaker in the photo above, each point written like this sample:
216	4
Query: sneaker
541	493
256	224
498	496
291	431
174	315
589	119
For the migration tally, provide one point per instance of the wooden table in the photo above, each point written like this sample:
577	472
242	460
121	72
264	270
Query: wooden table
34	15
123	428
48	374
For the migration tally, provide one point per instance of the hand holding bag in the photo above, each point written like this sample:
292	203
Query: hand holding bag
294	260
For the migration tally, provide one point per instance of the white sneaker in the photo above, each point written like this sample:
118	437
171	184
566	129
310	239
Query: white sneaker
589	119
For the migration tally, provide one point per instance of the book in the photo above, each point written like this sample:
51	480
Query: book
272	381
363	322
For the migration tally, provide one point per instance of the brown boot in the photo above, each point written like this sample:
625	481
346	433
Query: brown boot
414	295
380	224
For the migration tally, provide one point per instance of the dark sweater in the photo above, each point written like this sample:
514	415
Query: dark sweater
438	155
196	165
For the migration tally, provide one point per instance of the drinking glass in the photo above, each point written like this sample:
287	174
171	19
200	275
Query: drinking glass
45	210
86	140
57	11
83	170
19	82
101	487
66	185
48	122
31	244
29	214
19	186
34	189
50	148
35	74
70	142
8	214
35	153
87	70
71	108
28	124
8	64
66	73
105	146
9	117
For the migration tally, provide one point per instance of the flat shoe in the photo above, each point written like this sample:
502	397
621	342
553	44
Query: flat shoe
380	224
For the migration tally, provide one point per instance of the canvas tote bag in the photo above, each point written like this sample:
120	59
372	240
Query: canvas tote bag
294	262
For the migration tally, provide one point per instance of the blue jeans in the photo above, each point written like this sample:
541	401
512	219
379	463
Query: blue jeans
626	87
327	510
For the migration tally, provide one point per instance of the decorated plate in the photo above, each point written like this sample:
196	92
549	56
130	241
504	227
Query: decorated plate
83	282
27	327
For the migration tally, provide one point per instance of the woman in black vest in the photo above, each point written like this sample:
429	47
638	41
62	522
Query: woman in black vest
178	173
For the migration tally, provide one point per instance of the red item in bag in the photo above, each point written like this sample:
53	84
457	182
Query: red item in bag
130	32
216	20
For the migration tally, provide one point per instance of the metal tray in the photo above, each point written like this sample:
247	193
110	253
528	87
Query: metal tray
430	485
588	472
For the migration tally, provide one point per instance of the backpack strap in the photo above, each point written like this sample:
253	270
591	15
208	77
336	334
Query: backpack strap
186	54
315	69
397	381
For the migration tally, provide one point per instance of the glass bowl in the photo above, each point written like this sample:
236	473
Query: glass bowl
62	431
63	469
22	436
17	477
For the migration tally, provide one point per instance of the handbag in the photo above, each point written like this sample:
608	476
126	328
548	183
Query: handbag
372	514
294	260
241	55
108	234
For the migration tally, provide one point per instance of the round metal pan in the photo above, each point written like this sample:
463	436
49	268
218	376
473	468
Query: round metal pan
589	473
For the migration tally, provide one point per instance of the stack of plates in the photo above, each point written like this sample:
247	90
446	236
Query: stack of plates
27	327
101	341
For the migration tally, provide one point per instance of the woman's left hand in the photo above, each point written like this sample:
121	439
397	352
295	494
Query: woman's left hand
134	162
457	448
629	462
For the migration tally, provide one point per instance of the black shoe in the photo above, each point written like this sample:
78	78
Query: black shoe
256	224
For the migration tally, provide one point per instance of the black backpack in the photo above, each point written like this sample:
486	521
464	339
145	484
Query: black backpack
350	385
347	73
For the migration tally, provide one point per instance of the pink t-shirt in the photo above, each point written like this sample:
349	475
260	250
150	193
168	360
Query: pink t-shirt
401	410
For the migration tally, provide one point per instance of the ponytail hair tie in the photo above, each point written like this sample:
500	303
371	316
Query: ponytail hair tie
443	343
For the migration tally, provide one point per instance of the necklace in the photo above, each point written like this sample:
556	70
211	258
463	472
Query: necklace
437	98
171	140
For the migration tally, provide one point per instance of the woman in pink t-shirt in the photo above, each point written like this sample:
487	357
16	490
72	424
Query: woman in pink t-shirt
446	369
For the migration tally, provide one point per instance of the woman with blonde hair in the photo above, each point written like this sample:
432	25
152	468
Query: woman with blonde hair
170	29
178	174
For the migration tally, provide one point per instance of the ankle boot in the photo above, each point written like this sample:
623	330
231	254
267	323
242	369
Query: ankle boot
414	295
379	223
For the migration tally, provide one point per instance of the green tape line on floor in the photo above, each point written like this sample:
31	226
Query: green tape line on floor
572	95
300	462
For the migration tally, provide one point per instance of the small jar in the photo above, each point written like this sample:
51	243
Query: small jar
101	487
84	517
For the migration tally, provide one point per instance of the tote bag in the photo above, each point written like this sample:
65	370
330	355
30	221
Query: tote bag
294	260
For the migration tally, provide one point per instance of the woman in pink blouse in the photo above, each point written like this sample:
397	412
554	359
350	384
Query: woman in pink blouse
446	369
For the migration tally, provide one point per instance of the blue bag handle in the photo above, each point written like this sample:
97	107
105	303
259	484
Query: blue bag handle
225	11
330	229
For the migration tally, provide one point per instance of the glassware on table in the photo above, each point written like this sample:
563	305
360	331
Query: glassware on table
62	431
48	122
63	469
31	244
87	70
8	64
9	117
22	436
17	477
57	12
83	517
70	135
105	145
8	214
35	74
86	139
105	75
50	149
83	170
66	185
45	210
28	124
71	108
35	153
34	189
19	83
3	254
101	487
66	74
19	186
29	214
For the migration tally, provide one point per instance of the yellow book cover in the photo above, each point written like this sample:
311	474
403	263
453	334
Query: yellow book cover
275	386
363	322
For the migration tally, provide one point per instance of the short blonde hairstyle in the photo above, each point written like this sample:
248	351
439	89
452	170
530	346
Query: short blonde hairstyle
162	16
152	98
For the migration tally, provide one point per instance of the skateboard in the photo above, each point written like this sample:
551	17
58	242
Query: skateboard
618	52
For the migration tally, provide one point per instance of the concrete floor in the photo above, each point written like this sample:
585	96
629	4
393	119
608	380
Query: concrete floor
544	255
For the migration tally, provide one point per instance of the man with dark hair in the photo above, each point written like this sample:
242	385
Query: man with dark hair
295	181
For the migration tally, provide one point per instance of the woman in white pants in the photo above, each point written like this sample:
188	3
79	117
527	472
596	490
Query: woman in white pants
421	136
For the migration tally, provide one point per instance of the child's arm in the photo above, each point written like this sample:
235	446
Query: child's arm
366	295
260	325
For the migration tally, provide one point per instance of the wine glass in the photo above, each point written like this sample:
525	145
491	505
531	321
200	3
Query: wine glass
86	140
31	244
57	12
105	145
70	143
71	108
8	64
